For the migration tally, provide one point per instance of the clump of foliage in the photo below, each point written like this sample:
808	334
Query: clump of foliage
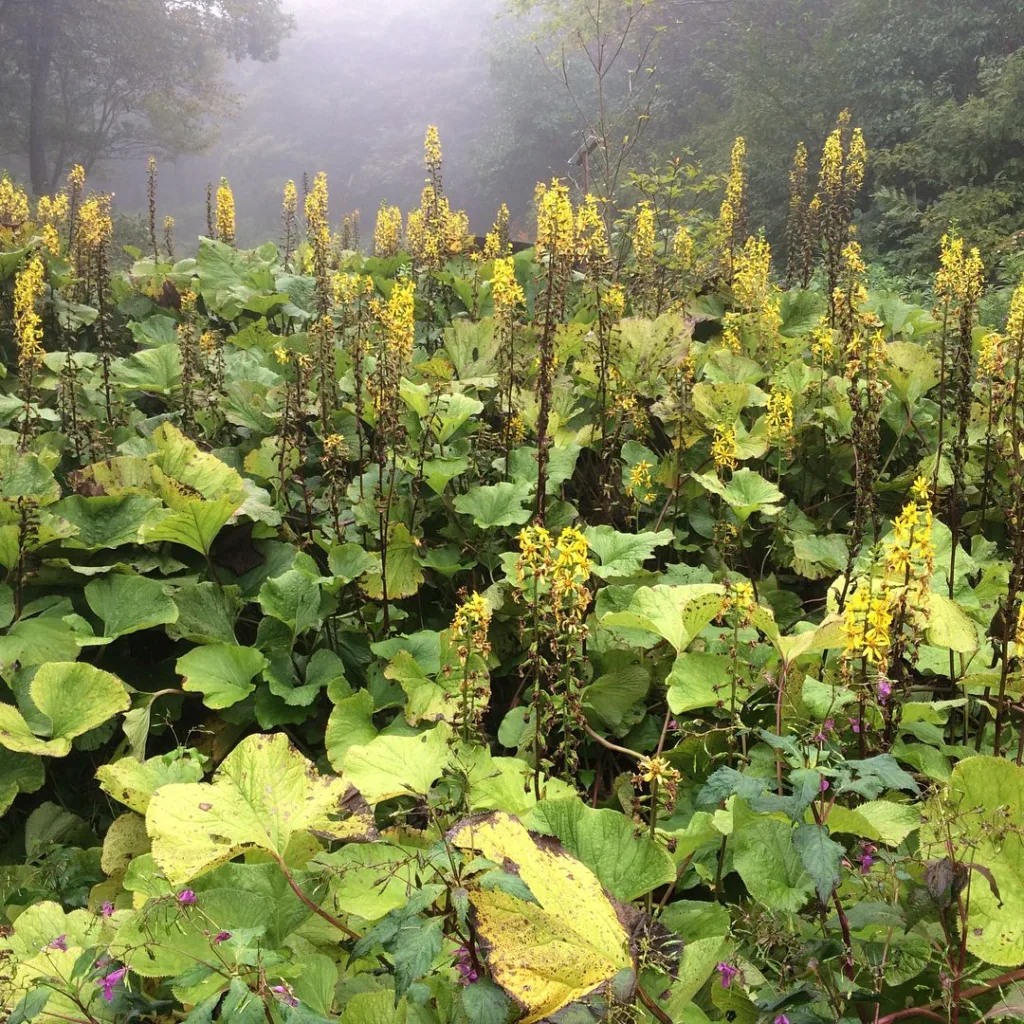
595	632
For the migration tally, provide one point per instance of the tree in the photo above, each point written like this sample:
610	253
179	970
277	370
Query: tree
89	79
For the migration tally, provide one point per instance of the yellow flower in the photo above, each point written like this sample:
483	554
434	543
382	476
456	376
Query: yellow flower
470	624
613	301
556	227
657	769
643	235
432	148
682	247
14	208
95	226
921	489
225	218
496	240
505	289
76	178
335	446
281	354
289	199
779	415
639	477
731	214
28	325
387	232
723	447
397	317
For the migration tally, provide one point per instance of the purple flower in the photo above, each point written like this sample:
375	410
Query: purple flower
866	858
884	691
284	993
727	972
108	982
221	937
782	1019
673	725
464	965
854	724
823	785
107	909
61	943
186	897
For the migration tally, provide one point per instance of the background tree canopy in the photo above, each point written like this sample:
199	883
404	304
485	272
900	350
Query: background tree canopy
935	85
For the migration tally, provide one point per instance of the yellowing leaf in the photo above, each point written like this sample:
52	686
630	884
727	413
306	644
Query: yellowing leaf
264	794
70	698
390	766
552	954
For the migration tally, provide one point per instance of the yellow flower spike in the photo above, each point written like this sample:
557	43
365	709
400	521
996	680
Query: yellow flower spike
506	291
225	216
28	324
387	232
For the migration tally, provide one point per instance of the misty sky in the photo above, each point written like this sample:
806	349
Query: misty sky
352	92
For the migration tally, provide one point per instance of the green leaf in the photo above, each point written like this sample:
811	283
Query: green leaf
678	614
107	521
746	493
350	725
949	626
263	794
68	699
878	820
369	880
911	369
820	856
19	773
484	1003
768	862
390	766
404	572
206	613
697	680
222	673
496	505
984	804
627	865
127	604
150	369
293	598
816	556
614	693
623	554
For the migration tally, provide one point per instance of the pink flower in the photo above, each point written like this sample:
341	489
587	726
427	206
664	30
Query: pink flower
727	972
108	982
284	993
61	943
107	909
854	724
823	785
186	897
867	858
884	691
221	937
782	1019
464	965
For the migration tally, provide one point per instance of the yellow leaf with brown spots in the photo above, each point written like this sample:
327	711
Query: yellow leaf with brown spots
264	796
555	951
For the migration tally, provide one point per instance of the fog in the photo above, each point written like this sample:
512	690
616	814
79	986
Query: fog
352	92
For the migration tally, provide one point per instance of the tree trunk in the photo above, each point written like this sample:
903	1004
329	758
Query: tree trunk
39	79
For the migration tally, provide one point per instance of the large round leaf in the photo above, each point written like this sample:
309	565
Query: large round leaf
264	793
69	698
